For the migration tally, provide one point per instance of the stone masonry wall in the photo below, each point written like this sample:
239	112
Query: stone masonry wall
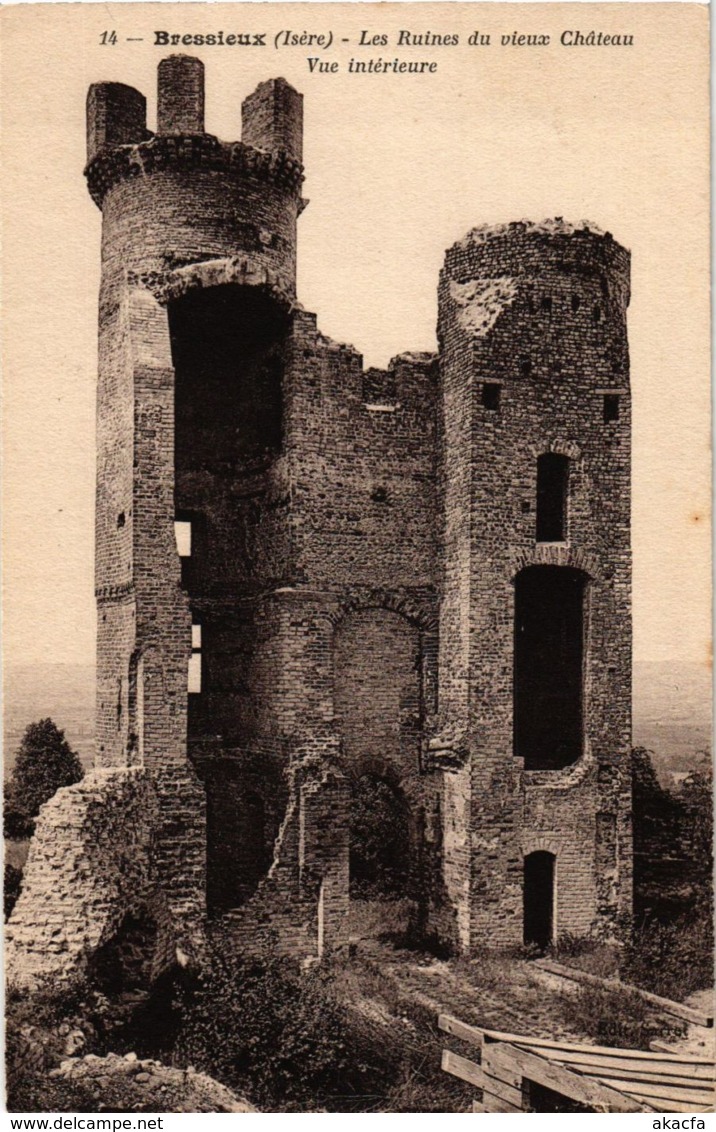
91	864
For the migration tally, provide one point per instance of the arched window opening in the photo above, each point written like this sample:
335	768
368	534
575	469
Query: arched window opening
538	899
552	495
548	666
227	350
135	739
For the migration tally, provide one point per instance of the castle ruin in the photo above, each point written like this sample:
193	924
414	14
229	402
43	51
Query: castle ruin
314	579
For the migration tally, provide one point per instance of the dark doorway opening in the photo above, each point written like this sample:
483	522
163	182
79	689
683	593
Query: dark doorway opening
126	961
548	666
538	899
379	840
239	842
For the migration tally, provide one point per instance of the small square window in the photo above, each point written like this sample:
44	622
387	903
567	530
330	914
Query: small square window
491	395
611	407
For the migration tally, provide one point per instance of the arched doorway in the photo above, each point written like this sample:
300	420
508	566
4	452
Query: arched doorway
379	840
538	899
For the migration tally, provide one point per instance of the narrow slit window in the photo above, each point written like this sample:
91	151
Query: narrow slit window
491	395
552	494
182	534
611	407
194	673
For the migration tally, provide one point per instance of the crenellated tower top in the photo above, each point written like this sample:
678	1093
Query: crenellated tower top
181	197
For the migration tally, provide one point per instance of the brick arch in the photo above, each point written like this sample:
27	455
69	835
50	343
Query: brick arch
551	554
541	843
241	270
377	767
560	446
563	447
414	611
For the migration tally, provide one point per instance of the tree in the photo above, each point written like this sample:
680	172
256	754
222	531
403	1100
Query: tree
11	889
45	762
17	823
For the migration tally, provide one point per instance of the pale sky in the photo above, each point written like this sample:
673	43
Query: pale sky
397	169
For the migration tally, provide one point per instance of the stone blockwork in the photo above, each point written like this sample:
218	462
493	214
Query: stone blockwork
91	871
360	584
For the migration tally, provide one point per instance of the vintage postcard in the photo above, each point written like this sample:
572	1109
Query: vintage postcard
357	540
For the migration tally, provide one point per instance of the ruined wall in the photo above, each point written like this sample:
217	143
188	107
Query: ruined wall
91	864
349	600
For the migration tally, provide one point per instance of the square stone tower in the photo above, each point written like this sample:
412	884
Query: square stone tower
535	638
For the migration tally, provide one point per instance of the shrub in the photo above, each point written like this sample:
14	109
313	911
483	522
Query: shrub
379	839
41	1019
673	959
615	1016
281	1036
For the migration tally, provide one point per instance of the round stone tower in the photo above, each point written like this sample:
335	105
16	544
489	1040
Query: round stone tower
535	631
198	281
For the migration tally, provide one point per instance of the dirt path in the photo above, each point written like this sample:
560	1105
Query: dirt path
698	1040
497	993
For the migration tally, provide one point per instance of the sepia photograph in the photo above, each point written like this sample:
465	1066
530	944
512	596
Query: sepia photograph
357	559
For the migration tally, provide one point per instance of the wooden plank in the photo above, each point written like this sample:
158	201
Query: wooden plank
461	1030
624	1064
585	1090
496	1087
579	1047
478	1037
498	1104
654	1106
667	1005
465	1069
703	1084
510	1075
494	1091
477	1107
667	1092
